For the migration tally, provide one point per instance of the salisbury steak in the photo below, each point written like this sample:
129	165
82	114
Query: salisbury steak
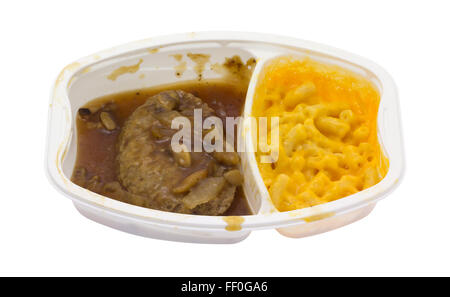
154	176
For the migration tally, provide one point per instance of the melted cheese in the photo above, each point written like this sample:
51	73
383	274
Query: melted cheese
328	146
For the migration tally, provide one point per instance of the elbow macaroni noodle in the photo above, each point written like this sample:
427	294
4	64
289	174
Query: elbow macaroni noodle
327	127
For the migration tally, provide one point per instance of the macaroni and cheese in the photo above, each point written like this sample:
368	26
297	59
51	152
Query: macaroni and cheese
328	143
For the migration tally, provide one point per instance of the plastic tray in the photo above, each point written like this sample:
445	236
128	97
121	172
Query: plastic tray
86	79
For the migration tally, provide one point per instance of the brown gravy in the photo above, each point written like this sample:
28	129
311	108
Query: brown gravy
97	147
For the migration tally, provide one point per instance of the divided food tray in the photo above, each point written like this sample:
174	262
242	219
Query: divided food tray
86	79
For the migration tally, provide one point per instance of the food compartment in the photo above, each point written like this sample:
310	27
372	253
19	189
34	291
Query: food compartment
132	92
330	146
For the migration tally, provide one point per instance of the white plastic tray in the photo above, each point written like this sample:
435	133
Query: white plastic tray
86	79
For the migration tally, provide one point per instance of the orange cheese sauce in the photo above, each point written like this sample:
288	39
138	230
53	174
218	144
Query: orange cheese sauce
328	143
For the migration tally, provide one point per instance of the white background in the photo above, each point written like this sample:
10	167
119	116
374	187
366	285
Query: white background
41	233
